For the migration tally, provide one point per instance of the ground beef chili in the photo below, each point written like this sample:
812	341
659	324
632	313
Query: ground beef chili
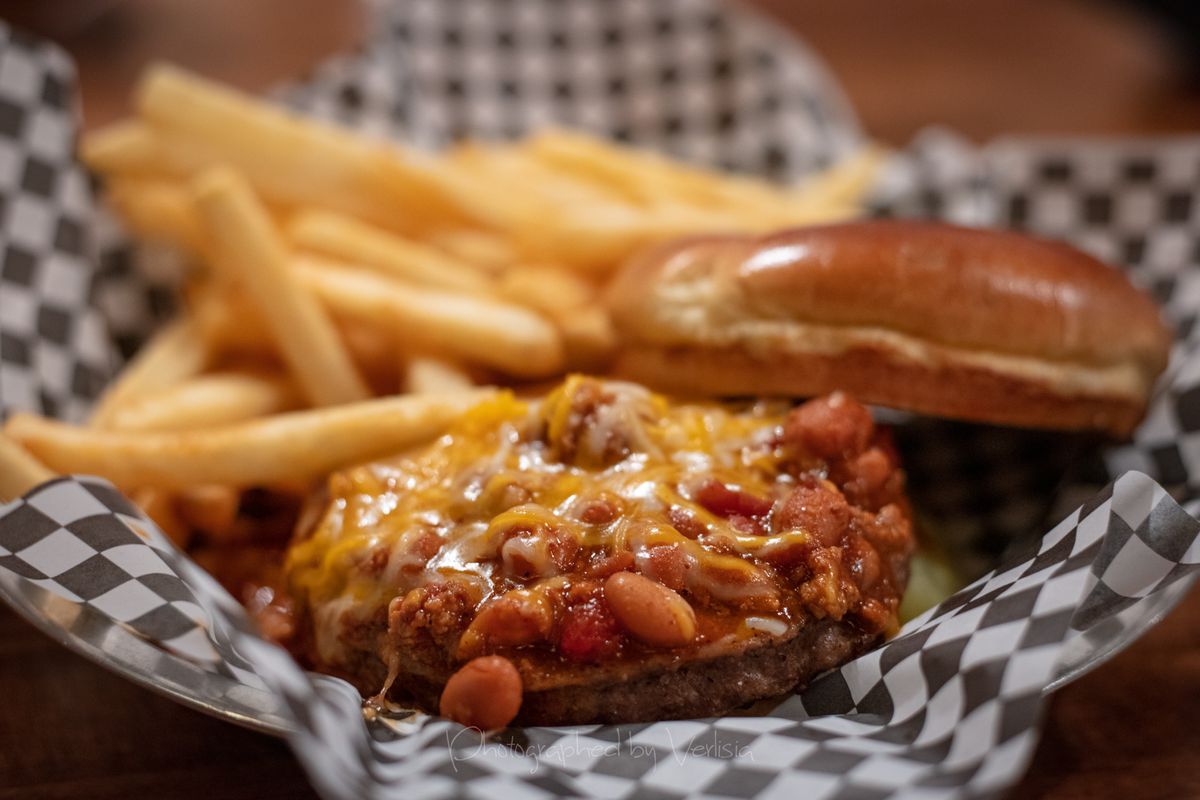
510	536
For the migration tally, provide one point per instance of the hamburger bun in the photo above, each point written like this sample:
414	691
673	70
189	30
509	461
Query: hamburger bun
981	325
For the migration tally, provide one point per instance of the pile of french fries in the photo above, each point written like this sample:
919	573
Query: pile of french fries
349	297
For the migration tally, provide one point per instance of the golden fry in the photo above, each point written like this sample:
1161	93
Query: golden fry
512	166
209	508
159	506
297	161
427	375
474	328
588	337
228	324
348	239
597	241
619	169
208	400
571	303
845	184
646	178
741	203
282	449
230	327
546	289
492	201
124	147
373	346
248	252
19	471
488	252
174	354
159	210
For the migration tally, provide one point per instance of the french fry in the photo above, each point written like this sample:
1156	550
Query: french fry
208	400
189	124
474	328
146	176
159	506
493	203
489	174
159	210
177	352
374	349
231	328
351	240
846	183
829	196
486	251
135	149
512	165
545	289
296	161
649	179
209	508
654	181
19	471
588	337
427	375
596	242
570	302
128	147
281	449
249	252
604	164
228	324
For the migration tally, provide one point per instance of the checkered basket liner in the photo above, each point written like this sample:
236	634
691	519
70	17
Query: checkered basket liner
947	709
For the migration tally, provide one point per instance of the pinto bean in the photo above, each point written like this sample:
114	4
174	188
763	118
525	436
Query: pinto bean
686	522
600	510
485	694
667	564
830	427
727	501
650	611
515	618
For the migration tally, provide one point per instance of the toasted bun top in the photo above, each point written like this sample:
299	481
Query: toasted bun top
996	292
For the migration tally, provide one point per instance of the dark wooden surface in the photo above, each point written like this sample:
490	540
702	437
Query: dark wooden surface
68	729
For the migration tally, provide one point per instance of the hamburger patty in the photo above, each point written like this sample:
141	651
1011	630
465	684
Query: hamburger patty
693	688
627	557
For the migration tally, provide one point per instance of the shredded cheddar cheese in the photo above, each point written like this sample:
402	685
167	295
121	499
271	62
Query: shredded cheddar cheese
521	500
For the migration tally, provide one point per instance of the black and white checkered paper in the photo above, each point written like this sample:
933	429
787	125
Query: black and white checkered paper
947	709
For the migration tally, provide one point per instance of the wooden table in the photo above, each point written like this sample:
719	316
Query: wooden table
68	729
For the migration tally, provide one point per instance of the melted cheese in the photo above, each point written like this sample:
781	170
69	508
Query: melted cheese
507	468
